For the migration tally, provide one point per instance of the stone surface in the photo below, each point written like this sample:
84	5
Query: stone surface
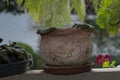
95	74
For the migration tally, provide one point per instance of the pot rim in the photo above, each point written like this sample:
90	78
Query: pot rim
75	27
66	31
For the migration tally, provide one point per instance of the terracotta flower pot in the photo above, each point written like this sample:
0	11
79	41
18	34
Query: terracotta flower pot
66	47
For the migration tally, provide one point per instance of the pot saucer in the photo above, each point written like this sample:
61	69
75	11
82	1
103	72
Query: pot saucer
67	70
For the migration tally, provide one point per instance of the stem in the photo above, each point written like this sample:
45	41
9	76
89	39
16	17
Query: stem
118	24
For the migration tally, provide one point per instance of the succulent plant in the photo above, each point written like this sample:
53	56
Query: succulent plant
12	53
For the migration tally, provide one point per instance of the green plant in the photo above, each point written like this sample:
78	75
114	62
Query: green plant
108	13
53	13
27	47
57	13
10	6
13	53
105	61
37	60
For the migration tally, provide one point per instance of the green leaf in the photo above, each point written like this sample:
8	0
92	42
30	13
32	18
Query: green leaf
115	4
49	13
109	15
60	14
4	56
103	19
103	6
95	4
105	64
115	16
19	3
79	6
112	65
112	30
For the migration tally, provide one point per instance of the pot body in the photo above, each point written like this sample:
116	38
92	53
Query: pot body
14	68
66	47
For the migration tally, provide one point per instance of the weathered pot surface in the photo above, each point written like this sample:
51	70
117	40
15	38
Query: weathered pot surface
66	47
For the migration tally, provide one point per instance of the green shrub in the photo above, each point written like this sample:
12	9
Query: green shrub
37	60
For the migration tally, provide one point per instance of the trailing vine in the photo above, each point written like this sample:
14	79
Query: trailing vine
53	13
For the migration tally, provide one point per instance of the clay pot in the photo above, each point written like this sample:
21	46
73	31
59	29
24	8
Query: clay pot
66	47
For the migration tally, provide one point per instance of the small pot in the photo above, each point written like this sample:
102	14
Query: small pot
13	68
66	47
